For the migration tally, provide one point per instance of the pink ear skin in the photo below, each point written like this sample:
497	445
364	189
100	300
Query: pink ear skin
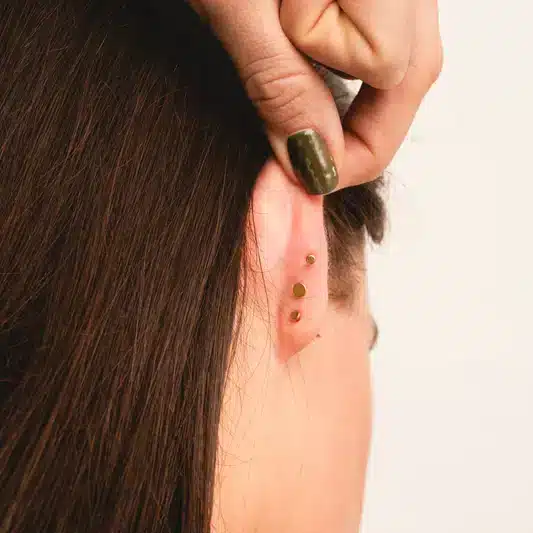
289	227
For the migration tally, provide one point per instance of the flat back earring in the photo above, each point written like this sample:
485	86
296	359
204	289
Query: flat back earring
299	290
295	316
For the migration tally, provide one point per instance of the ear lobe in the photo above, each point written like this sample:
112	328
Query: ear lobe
289	227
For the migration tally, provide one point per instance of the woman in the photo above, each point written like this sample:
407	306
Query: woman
184	332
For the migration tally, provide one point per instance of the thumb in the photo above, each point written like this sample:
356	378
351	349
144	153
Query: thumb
301	118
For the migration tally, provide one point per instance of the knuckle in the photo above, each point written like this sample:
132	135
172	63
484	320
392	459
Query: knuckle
300	34
302	29
388	65
429	67
436	64
276	86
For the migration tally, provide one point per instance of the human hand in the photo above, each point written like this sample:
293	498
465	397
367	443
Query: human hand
394	47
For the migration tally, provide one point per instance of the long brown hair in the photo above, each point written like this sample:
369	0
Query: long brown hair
128	155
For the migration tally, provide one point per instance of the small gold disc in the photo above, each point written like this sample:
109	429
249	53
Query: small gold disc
295	316
310	259
299	290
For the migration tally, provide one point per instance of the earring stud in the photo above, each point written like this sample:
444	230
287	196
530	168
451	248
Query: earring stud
296	316
299	290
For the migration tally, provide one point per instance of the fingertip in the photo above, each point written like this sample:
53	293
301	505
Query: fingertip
312	159
312	162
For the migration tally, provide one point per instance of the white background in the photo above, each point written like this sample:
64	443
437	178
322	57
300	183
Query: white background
452	291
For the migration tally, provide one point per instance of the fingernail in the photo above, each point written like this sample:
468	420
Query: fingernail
312	162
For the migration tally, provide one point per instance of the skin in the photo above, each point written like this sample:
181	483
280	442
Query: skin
296	420
394	47
295	426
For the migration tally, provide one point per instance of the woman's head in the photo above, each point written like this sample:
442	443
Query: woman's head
149	365
295	422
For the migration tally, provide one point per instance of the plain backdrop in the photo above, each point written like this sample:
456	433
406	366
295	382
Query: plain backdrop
452	291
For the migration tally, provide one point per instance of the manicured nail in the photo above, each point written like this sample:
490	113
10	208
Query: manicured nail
312	162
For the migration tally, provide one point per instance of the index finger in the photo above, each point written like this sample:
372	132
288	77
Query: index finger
369	40
378	120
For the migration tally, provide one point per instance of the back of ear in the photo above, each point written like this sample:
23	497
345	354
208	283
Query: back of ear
290	264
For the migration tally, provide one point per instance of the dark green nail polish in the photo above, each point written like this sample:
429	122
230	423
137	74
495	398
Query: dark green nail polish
312	162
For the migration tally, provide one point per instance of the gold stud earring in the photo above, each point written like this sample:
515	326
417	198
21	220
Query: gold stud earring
299	290
296	316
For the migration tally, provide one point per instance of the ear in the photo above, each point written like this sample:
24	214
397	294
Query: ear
287	226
